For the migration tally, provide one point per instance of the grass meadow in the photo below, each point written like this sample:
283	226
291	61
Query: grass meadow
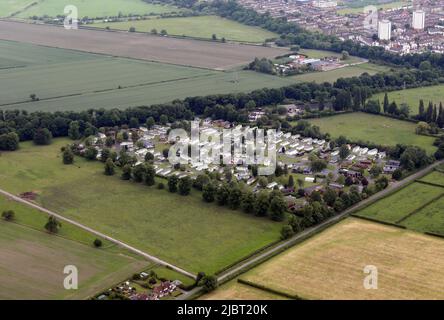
401	203
411	97
435	177
8	7
331	264
196	27
419	206
181	230
87	8
383	6
374	128
33	260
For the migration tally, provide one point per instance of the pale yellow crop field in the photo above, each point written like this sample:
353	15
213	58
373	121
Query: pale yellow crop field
331	265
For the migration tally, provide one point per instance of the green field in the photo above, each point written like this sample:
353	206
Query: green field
196	27
429	219
435	177
86	8
32	260
411	97
8	7
384	6
181	230
81	81
333	75
398	205
374	128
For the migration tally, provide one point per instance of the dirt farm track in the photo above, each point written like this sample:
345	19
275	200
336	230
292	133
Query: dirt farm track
194	53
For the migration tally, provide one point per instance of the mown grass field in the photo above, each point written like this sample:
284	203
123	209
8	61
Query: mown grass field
374	128
398	205
196	27
384	6
411	97
181	230
331	264
86	8
81	81
33	261
333	75
436	177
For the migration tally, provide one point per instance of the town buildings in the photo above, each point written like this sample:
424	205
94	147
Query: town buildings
414	28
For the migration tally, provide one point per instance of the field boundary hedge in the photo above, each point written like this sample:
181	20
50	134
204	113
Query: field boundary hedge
420	208
430	183
433	234
270	290
391	224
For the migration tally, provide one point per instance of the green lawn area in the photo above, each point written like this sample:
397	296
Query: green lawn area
384	6
411	97
172	275
374	128
33	261
398	205
333	75
94	8
196	27
181	230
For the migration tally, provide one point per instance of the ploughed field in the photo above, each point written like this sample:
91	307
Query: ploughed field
187	52
184	231
331	265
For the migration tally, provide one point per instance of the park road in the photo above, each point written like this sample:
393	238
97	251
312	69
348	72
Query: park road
313	230
99	234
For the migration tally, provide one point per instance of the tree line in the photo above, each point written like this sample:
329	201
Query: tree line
344	94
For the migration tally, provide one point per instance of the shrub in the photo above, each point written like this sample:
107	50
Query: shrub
68	156
97	243
397	174
42	137
8	215
209	283
286	232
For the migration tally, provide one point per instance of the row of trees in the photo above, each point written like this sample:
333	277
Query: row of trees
322	206
263	204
